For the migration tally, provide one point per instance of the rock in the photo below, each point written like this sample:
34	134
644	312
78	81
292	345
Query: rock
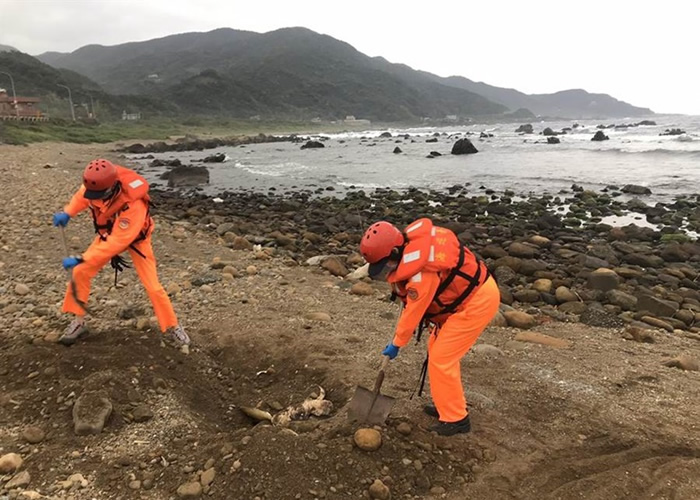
487	350
527	296
499	320
33	435
10	463
643	260
362	288
542	285
21	289
173	288
623	300
135	484
563	294
215	158
600	136
142	413
658	323
318	316
524	129
90	413
684	362
379	491
519	319
464	147
635	189
657	306
603	279
673	131
639	334
207	476
521	250
251	270
240	243
540	241
437	490
553	140
548	132
540	338
397	150
404	428
573	307
359	273
19	481
188	176
368	439
334	266
189	490
313	145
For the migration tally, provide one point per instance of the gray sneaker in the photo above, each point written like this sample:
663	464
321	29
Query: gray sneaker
178	336
73	332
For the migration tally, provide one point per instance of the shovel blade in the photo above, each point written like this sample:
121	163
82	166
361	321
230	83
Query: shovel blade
369	407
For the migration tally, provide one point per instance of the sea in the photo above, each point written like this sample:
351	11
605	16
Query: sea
669	165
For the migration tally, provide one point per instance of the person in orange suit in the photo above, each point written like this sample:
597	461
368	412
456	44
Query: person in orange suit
444	285
118	200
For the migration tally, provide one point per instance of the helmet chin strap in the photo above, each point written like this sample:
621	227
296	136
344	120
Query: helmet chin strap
113	191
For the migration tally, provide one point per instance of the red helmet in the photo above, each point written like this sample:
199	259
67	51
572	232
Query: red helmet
379	240
99	177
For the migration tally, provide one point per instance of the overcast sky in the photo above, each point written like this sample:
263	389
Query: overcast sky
643	52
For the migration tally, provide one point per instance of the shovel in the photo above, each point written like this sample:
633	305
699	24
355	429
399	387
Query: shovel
82	304
370	406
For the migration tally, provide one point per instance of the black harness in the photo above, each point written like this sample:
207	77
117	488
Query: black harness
118	262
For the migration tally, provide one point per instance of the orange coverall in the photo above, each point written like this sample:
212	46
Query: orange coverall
451	341
127	226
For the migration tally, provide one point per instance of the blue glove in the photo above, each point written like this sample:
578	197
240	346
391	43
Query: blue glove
390	350
60	219
71	262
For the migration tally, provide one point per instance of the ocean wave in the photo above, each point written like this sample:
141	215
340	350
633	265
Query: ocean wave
655	151
274	169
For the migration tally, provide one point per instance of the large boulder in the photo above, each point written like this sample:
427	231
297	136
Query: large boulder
525	129
464	147
313	145
90	412
657	306
553	140
215	158
635	189
600	136
548	132
603	279
188	176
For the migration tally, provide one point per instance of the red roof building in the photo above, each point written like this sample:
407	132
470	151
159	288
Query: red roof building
22	108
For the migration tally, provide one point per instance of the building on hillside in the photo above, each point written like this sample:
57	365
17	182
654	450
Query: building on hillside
130	116
351	120
20	108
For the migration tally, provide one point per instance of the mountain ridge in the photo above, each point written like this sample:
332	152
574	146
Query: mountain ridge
298	72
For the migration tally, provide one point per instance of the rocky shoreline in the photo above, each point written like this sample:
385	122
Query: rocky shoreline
550	255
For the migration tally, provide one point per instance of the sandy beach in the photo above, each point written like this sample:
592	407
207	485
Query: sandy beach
601	404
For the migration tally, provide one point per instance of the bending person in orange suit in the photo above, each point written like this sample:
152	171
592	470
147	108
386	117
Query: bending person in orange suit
119	203
445	286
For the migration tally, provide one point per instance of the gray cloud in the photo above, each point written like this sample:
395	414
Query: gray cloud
637	51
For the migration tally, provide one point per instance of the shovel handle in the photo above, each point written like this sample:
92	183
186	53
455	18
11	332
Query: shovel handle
380	376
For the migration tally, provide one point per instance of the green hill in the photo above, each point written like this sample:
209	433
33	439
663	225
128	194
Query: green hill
291	73
33	78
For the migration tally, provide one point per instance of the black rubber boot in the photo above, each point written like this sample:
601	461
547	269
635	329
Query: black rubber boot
452	428
431	410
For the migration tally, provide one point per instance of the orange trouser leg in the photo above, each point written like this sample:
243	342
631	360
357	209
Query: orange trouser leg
146	269
82	278
452	342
